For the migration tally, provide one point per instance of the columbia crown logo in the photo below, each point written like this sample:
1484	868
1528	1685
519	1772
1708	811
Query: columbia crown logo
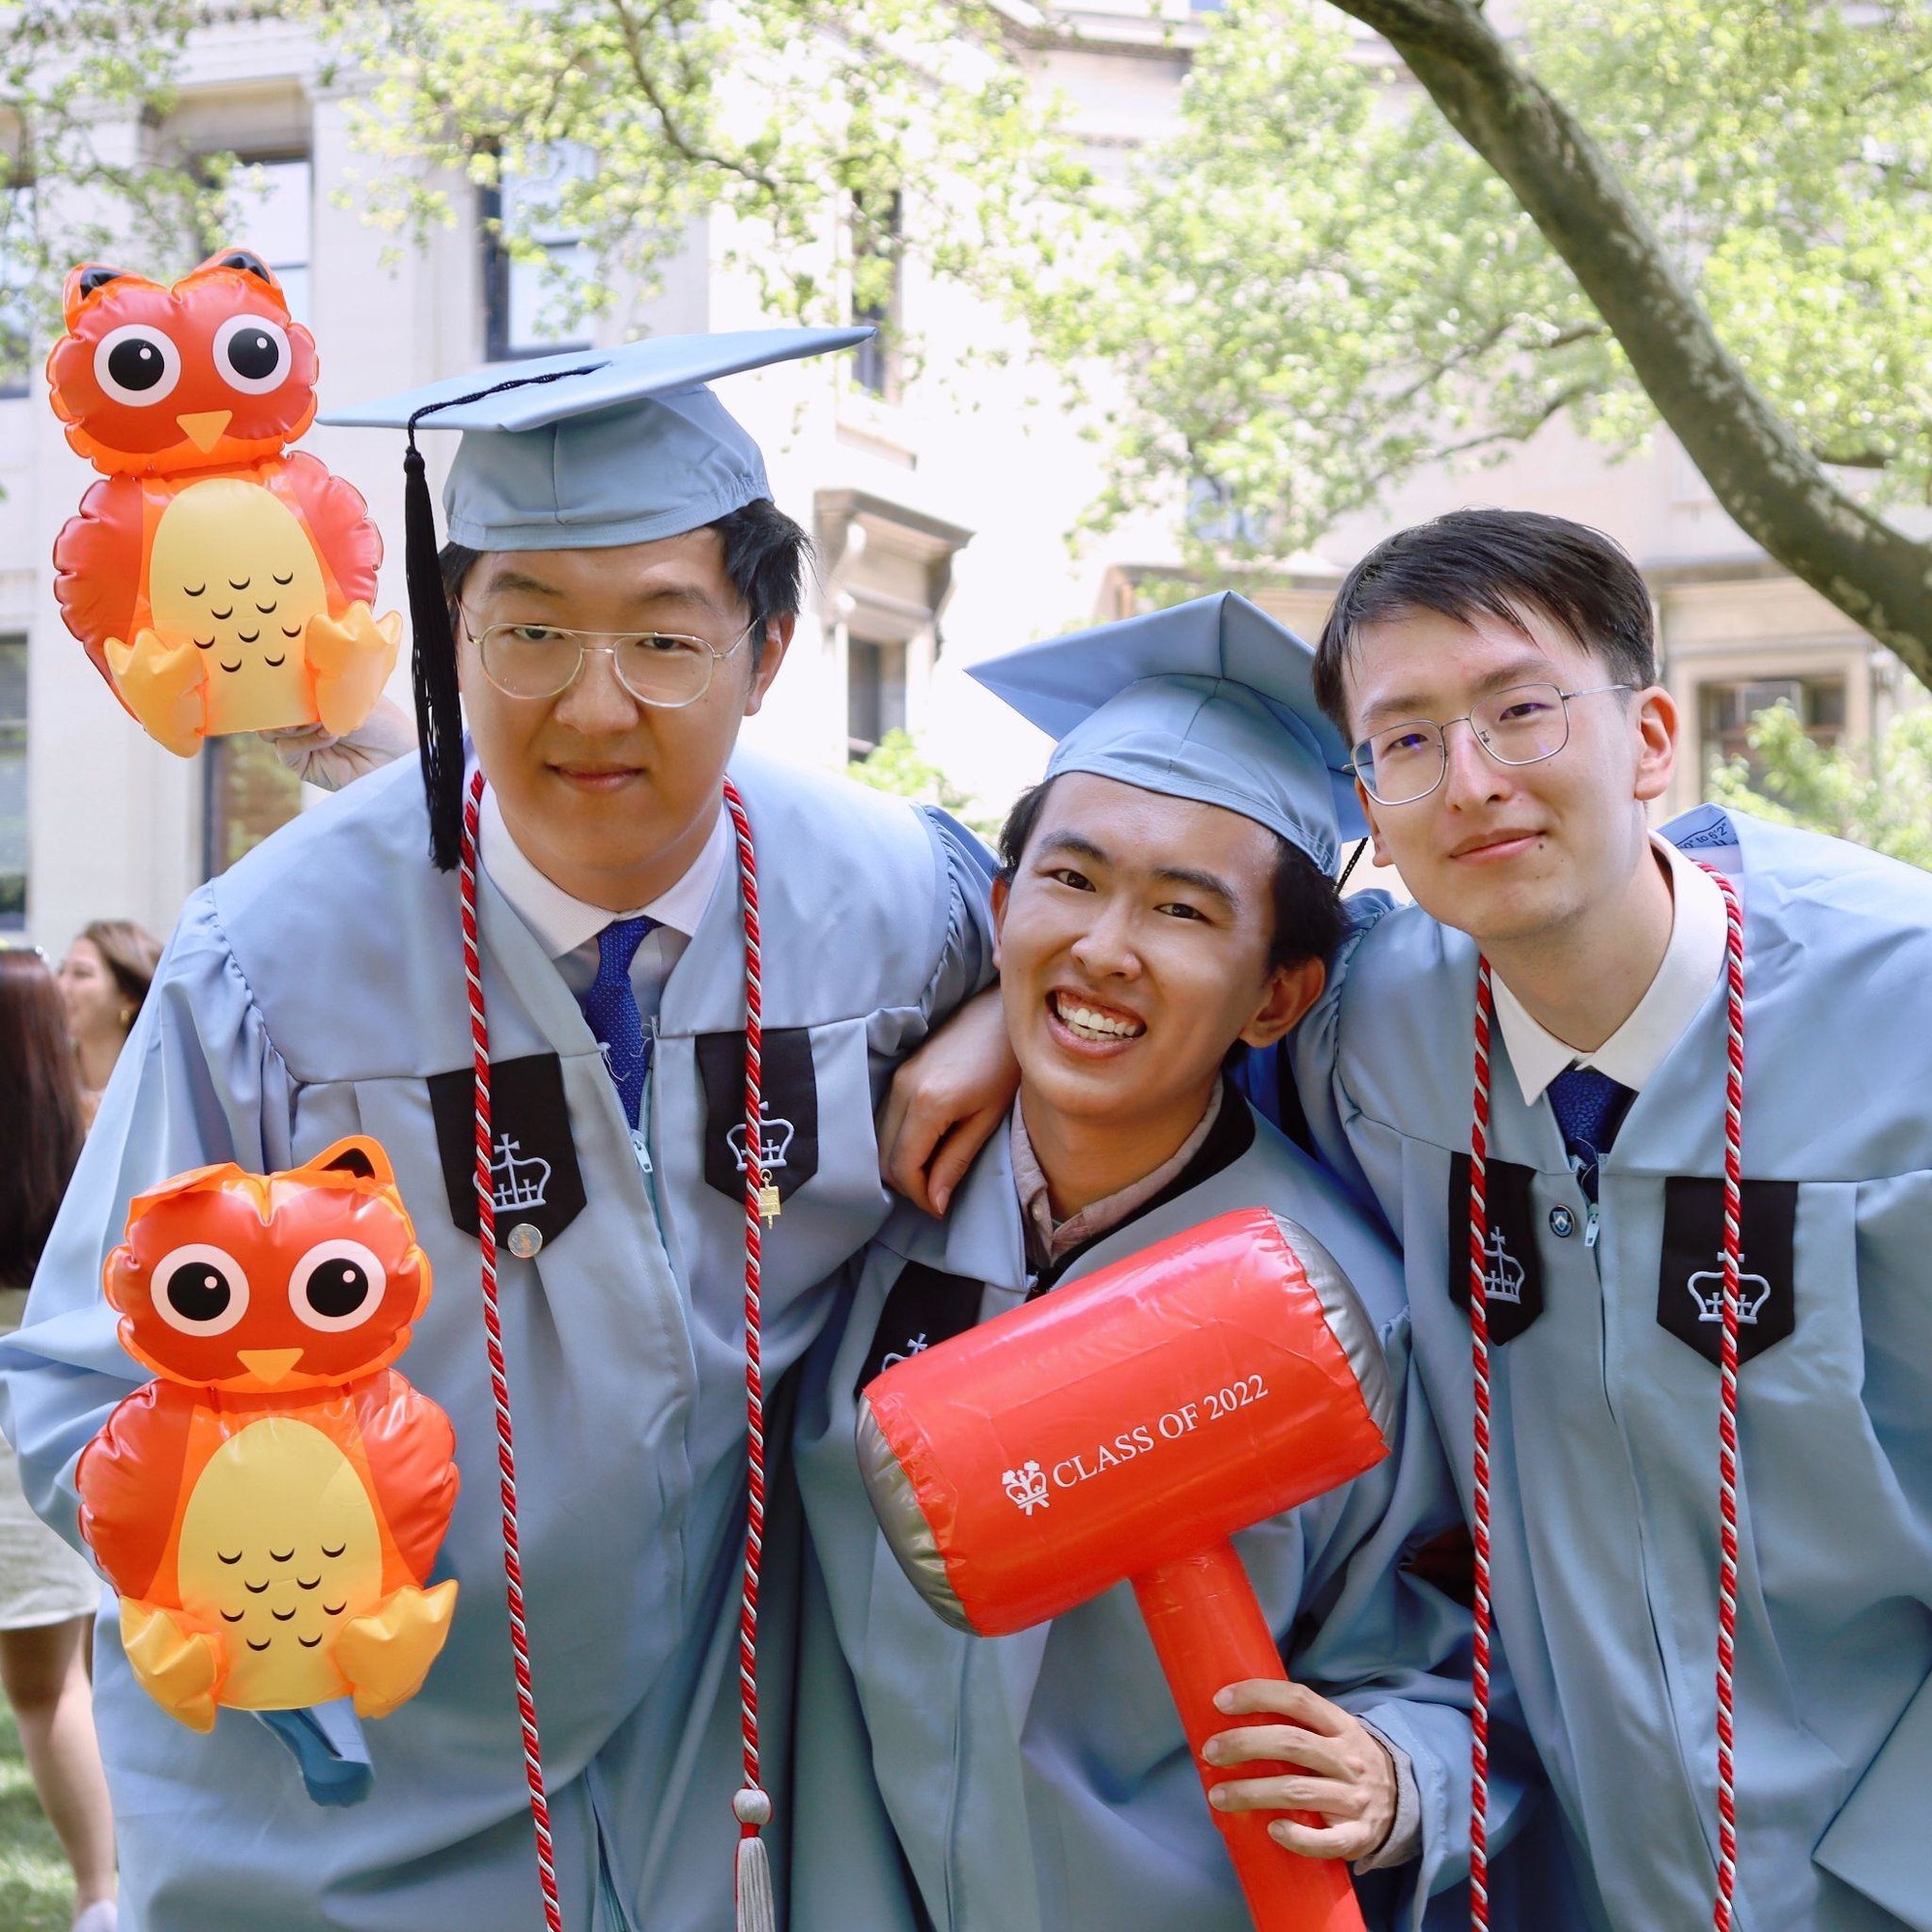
1707	1290
774	1143
516	1184
1502	1278
1026	1486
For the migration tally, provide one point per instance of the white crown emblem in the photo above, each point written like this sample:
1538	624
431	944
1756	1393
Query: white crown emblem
774	1143
1026	1486
1502	1279
516	1184
1707	1290
915	1347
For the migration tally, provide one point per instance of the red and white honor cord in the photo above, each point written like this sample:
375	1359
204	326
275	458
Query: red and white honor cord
499	1381
1479	1349
1727	1399
751	1807
1727	1424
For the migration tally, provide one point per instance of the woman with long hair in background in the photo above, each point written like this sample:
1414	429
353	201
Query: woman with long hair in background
48	1592
103	981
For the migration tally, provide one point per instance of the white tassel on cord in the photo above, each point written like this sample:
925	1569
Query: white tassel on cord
758	1911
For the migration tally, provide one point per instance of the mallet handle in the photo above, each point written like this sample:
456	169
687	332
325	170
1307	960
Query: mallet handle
1209	1631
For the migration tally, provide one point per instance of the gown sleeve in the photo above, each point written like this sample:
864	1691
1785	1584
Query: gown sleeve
965	961
198	1081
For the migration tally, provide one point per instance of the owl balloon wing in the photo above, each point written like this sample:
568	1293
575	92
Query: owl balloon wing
270	1506
219	583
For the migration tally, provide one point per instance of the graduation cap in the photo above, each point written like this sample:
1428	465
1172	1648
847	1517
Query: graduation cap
579	451
1211	700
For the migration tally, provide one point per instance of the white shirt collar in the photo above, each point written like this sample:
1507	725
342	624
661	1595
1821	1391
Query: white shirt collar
562	923
1692	962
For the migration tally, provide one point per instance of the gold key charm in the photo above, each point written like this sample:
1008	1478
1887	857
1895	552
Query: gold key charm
768	1203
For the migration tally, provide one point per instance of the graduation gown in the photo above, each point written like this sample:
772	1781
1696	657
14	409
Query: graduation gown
1040	1783
1605	1379
316	990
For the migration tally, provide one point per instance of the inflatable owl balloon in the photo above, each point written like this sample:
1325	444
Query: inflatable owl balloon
219	583
270	1505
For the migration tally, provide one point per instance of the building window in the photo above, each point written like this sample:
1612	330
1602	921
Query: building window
13	783
16	281
875	694
273	216
877	273
525	296
249	793
1729	709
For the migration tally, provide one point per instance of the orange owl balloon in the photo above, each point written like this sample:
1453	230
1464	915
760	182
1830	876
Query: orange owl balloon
269	1508
219	583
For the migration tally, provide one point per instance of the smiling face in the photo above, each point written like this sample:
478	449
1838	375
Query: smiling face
611	799
1511	854
1134	949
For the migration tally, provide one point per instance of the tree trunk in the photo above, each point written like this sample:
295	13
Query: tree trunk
1758	470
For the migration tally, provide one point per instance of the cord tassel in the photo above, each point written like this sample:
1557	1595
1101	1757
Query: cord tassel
757	1908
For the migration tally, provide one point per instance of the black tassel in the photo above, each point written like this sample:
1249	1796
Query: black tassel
438	702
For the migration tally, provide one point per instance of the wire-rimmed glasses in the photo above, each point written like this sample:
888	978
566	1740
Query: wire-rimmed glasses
1521	726
658	667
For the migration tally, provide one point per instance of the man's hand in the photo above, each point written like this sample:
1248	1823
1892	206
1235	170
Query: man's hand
1345	1772
389	732
945	1102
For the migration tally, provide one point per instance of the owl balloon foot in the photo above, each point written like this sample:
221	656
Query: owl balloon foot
178	1666
164	687
385	1656
350	662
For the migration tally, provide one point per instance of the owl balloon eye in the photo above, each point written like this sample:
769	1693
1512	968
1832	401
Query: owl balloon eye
200	1290
336	1285
137	364
251	354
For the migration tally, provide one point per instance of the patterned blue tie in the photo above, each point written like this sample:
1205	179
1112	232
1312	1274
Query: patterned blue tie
610	1006
1589	1107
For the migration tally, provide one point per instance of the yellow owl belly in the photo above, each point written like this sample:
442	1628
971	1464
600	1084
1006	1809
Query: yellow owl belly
279	1550
234	573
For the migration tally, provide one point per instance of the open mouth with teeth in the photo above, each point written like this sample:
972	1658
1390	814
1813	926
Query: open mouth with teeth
1092	1024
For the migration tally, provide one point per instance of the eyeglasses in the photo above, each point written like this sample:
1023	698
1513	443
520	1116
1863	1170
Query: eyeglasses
656	667
1521	726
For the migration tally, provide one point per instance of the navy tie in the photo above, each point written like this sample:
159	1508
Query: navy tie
1589	1107
610	1006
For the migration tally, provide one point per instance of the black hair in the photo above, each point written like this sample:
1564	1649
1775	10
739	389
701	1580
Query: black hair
1497	563
1309	922
766	554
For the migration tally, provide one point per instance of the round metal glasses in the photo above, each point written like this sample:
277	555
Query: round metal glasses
1521	726
658	668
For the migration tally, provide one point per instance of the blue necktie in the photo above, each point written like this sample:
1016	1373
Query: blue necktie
1589	1107
610	1006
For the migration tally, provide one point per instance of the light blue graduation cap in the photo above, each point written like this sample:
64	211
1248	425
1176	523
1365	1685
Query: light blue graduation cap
584	450
1211	700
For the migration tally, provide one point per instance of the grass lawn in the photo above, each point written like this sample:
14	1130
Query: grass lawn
36	1887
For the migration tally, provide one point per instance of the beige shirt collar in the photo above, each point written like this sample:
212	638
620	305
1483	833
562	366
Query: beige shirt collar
1690	969
562	923
1047	1239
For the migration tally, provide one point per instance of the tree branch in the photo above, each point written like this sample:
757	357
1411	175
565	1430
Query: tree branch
1756	465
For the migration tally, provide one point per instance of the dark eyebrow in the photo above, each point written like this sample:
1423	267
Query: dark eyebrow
1531	667
518	579
1072	843
1201	882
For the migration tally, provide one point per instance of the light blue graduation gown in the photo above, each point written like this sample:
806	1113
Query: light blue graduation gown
309	993
1604	1483
1040	1783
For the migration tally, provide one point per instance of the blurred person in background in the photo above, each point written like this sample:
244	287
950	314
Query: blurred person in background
104	979
47	1594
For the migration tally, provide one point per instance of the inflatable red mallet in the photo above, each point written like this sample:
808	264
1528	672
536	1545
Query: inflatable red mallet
1124	1427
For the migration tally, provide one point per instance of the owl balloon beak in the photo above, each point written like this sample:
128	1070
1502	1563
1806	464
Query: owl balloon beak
204	428
268	1366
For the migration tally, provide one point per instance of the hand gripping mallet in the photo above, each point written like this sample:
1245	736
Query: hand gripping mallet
1124	1427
